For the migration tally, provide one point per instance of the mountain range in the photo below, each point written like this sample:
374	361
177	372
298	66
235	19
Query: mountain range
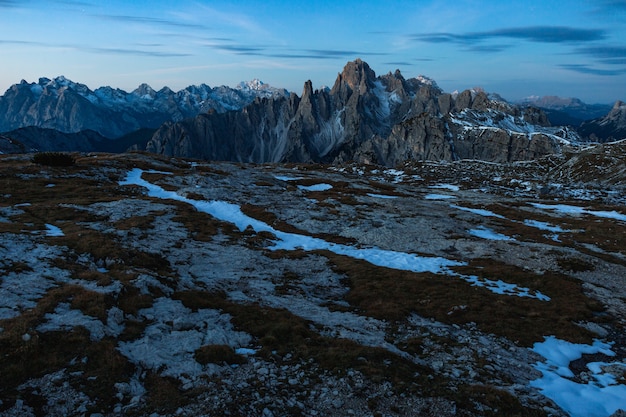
566	110
71	107
364	117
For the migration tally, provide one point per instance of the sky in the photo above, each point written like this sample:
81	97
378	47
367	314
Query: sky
517	49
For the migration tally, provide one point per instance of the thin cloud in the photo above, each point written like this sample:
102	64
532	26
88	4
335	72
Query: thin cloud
96	50
75	3
488	48
607	52
331	53
586	69
541	34
608	55
135	52
150	21
239	50
298	56
548	34
610	7
614	61
320	54
399	64
14	42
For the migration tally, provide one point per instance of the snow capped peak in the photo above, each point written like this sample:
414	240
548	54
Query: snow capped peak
426	80
254	84
61	80
145	92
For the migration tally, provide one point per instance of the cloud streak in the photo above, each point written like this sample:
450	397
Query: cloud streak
8	4
603	51
98	50
586	69
135	52
150	21
256	50
540	34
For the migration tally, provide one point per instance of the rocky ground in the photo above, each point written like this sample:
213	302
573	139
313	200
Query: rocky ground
307	289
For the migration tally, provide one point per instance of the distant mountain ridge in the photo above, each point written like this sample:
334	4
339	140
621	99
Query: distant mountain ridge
71	107
367	118
566	111
364	117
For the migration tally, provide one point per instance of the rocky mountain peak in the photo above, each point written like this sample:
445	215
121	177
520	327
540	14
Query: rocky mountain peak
357	75
618	114
307	90
144	91
611	127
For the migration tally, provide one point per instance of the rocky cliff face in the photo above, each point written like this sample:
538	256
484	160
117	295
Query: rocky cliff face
609	128
70	107
384	120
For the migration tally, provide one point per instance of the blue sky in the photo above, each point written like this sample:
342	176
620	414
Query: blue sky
514	48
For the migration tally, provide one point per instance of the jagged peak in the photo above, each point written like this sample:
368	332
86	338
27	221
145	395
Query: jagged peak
254	84
144	90
357	75
307	90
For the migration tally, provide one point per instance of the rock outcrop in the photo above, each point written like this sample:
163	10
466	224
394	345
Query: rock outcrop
384	120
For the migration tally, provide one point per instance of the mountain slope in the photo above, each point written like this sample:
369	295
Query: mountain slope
71	107
609	128
384	120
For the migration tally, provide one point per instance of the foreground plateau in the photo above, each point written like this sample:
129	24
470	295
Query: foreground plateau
142	285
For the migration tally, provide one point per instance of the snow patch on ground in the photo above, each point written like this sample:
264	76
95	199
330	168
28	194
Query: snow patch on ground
575	210
544	226
290	241
286	178
599	397
504	288
480	212
438	197
486	233
53	231
315	187
382	196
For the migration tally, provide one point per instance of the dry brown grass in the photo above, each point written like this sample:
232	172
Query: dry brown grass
494	402
218	354
159	179
607	234
392	295
201	226
266	216
287	283
44	353
131	300
92	303
164	395
279	332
